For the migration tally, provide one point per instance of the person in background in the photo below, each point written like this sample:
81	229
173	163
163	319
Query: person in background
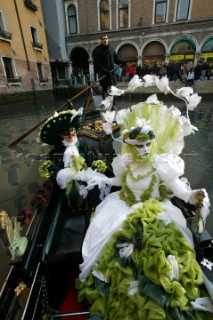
105	58
198	70
118	73
131	71
139	71
208	71
124	74
190	78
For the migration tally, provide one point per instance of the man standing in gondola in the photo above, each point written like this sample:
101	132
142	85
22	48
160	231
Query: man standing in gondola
105	58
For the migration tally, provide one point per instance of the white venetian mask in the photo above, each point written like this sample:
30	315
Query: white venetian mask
144	148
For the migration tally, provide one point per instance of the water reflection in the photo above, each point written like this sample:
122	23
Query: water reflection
19	165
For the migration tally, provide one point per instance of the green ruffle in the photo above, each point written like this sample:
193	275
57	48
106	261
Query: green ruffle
148	263
129	198
47	169
99	165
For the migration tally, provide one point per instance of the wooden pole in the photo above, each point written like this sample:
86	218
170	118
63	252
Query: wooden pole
15	142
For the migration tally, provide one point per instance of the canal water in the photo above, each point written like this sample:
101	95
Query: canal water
19	165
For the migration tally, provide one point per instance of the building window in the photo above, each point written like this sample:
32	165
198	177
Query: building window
35	42
104	15
10	73
34	34
123	13
2	28
4	35
183	7
40	73
8	67
72	19
30	5
160	11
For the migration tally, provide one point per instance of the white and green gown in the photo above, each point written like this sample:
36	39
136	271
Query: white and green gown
138	256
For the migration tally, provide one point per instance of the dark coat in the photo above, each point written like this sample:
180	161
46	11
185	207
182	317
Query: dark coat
90	153
87	150
105	59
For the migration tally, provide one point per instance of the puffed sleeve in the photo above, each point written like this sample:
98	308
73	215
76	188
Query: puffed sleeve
120	162
169	169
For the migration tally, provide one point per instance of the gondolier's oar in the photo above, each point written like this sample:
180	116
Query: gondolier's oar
14	143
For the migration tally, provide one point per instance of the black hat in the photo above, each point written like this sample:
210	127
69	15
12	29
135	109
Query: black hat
58	123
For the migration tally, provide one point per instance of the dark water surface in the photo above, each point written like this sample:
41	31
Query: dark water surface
19	165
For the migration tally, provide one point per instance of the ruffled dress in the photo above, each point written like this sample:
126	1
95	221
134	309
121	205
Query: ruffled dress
138	256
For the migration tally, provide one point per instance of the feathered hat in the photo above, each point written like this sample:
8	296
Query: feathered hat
59	122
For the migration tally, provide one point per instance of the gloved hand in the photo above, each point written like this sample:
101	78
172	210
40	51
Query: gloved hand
64	176
92	178
85	175
197	196
98	179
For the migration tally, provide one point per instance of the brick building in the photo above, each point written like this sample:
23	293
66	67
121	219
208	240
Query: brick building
24	59
141	31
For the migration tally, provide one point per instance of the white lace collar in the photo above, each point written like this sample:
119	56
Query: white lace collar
70	151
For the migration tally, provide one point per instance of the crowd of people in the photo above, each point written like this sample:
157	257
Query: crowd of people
111	69
185	72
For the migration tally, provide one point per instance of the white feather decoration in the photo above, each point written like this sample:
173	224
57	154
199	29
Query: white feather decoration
135	83
115	91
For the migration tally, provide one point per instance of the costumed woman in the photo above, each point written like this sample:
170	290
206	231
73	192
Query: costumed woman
69	155
138	256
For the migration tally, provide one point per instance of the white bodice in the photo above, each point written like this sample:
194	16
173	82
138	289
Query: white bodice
142	181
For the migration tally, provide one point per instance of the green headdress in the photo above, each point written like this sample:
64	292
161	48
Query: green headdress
166	123
138	134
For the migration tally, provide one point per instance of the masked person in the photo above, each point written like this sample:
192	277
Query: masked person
138	256
69	155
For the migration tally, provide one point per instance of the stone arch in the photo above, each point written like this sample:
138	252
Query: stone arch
123	49
183	48
79	57
128	51
154	51
128	46
206	49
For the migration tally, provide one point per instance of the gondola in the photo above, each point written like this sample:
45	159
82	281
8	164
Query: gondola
41	283
30	276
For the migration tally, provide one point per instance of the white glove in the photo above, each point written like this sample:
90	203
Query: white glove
200	198
85	175
64	176
98	179
197	196
92	178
